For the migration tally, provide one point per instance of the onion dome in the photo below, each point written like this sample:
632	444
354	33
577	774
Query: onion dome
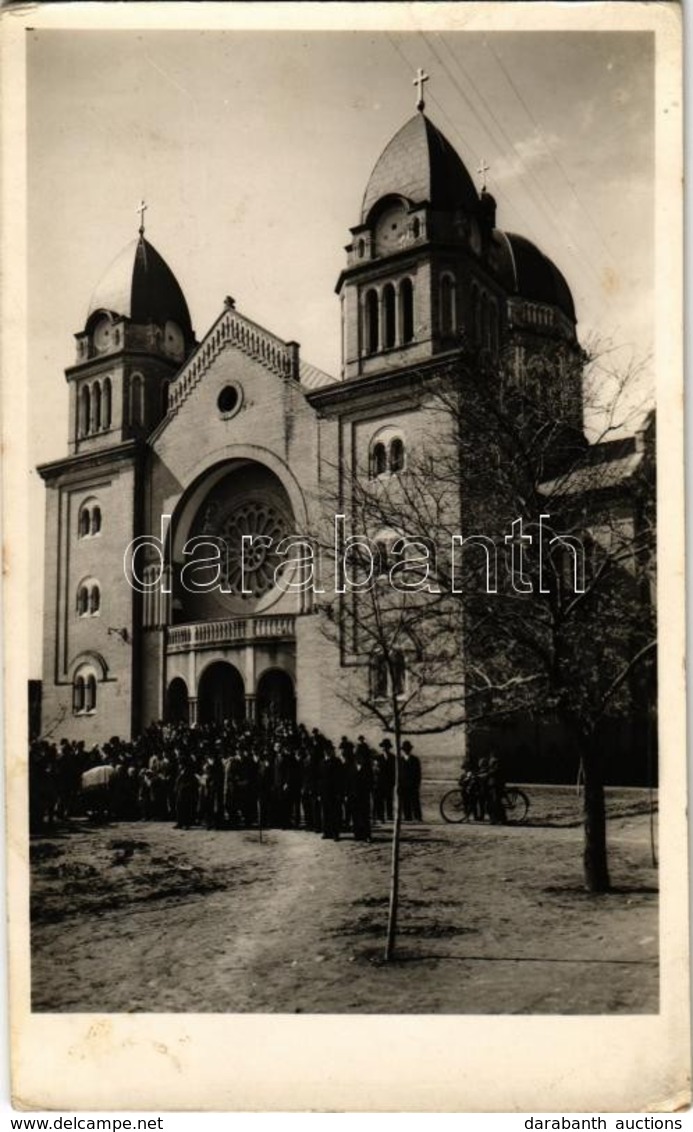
420	165
139	285
527	272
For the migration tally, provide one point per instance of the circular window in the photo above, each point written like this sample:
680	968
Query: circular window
229	400
250	565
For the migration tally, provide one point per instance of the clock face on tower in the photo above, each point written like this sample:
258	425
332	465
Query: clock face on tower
174	341
391	230
103	335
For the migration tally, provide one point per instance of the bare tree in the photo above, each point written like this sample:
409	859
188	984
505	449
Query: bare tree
530	554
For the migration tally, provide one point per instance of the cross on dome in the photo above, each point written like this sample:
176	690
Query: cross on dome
141	208
421	78
483	170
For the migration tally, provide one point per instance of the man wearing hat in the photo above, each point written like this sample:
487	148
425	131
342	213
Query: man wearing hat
410	783
388	776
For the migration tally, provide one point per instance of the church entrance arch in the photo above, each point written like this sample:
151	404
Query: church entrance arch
177	701
220	694
275	698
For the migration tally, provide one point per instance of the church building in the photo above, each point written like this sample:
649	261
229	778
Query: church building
230	434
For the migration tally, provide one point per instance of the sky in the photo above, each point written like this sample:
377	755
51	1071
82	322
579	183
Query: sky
253	150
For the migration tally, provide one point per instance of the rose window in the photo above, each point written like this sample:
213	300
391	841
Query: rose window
251	564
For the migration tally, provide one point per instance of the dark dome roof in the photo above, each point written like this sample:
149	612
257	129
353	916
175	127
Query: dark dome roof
421	165
140	285
531	274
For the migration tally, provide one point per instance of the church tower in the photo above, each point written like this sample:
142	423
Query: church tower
418	270
136	336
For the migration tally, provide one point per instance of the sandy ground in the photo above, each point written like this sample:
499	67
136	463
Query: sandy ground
493	920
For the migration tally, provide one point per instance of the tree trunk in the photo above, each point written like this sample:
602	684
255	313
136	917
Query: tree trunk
394	862
596	869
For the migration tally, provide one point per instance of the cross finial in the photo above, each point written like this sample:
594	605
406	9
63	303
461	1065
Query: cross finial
421	78
141	208
483	170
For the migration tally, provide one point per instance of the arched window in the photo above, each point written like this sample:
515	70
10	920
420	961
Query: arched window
84	411
406	310
90	693
96	407
78	694
88	597
95	525
83	523
399	673
379	680
378	459
137	400
383	557
389	316
371	312
396	454
448	319
416	228
381	685
107	399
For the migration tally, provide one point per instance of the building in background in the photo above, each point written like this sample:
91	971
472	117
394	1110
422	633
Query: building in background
235	434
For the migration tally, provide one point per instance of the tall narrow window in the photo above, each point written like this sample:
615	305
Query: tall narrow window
406	310
107	398
95	525
398	673
448	318
379	681
96	406
396	455
378	459
83	525
90	696
78	694
383	557
371	312
84	411
389	317
94	600
136	400
83	601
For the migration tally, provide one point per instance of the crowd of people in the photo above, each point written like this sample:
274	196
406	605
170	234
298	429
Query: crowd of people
227	775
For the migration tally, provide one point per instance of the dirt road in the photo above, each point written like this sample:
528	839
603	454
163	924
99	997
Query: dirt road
144	917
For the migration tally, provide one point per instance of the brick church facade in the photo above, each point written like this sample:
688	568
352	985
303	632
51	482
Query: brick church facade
233	435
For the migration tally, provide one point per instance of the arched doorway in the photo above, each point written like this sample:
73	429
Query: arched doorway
275	697
221	694
177	701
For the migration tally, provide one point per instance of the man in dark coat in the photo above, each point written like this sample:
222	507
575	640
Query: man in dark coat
359	785
410	783
388	776
331	794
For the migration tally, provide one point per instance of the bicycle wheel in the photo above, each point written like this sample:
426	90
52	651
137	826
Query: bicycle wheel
453	808
516	804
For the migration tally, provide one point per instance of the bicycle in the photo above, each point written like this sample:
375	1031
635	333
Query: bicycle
460	806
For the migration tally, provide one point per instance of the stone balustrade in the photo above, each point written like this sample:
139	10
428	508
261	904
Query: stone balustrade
232	631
